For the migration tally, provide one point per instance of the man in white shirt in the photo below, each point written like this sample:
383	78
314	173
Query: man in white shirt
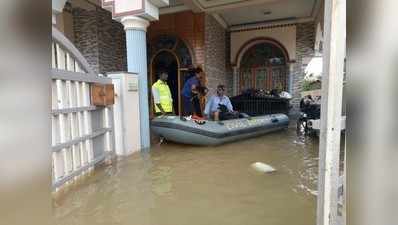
213	110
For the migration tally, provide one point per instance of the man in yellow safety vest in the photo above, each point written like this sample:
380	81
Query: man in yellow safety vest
162	96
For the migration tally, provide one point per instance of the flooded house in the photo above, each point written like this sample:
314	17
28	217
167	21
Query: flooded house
106	55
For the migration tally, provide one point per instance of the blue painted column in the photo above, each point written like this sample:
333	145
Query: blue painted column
135	28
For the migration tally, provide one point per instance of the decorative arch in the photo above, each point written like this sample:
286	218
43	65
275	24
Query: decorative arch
183	55
252	42
262	64
172	43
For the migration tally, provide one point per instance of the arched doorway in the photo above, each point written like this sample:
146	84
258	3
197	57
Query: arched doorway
263	66
171	54
168	62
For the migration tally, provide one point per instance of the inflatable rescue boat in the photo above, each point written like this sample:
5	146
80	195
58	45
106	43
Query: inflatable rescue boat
194	132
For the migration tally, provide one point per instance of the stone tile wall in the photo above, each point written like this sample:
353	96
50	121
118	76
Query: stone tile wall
112	44
228	66
305	38
86	35
215	55
100	39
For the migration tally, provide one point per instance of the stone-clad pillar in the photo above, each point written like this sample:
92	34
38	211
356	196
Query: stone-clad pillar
135	28
235	81
290	68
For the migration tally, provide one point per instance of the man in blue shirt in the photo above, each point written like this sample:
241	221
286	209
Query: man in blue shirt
188	92
213	106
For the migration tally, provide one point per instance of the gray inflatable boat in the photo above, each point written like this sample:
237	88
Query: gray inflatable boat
172	128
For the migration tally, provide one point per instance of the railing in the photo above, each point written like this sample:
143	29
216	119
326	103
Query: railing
82	134
255	106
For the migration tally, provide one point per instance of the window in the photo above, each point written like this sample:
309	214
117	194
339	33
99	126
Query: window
263	66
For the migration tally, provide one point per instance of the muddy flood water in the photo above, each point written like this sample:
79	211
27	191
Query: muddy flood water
176	184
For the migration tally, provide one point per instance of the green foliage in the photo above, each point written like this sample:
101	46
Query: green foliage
311	85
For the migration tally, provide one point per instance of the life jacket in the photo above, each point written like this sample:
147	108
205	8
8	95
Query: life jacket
166	101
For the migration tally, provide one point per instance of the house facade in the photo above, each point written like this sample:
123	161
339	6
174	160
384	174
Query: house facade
262	45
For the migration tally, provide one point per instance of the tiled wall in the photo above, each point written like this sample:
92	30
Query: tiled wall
305	38
215	55
100	39
228	66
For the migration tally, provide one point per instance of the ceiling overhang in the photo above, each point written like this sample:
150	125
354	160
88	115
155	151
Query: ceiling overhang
221	5
297	11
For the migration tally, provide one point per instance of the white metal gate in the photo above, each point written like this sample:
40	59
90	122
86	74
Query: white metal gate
82	134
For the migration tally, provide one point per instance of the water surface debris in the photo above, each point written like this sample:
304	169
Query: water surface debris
262	167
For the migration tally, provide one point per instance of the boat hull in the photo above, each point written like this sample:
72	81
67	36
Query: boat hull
215	133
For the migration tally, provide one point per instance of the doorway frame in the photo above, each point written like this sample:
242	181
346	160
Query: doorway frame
152	77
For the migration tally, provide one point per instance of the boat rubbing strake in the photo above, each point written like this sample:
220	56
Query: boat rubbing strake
174	129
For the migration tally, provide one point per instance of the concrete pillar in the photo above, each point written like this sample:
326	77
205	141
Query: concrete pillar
332	95
235	81
290	78
135	28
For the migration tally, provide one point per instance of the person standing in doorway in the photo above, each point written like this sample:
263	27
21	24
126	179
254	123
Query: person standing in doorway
189	91
162	96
